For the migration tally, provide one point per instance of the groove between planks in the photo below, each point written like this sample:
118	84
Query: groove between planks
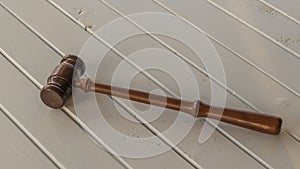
65	109
68	111
244	148
231	91
35	141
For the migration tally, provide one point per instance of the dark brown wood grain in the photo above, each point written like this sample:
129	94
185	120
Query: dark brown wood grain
67	75
255	121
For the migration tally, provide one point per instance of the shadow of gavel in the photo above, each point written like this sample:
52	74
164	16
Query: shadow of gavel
67	75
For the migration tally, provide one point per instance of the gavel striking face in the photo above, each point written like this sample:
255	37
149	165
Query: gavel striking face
59	84
67	75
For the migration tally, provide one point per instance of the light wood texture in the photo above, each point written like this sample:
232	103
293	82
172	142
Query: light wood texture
82	151
239	74
54	129
73	148
229	59
16	150
259	17
124	124
63	138
289	7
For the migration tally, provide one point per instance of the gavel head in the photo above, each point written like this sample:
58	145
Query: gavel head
59	84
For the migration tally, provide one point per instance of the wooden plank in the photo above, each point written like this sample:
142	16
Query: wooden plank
17	151
126	50
238	77
261	150
263	19
189	145
145	162
61	136
44	64
279	152
249	44
289	7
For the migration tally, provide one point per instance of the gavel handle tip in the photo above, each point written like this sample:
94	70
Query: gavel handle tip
277	127
263	123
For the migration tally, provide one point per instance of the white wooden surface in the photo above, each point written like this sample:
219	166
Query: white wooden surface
16	147
33	33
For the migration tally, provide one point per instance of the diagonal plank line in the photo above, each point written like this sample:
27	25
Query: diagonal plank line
264	72
177	150
67	111
29	27
228	136
157	133
280	11
108	45
224	133
40	86
268	37
231	91
236	142
292	136
35	141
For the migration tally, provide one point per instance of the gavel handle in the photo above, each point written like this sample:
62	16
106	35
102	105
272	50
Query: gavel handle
255	121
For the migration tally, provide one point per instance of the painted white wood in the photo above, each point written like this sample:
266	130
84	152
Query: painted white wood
259	149
221	148
44	63
262	19
60	135
279	152
290	7
230	148
142	7
190	145
63	138
249	44
266	19
17	151
267	94
28	134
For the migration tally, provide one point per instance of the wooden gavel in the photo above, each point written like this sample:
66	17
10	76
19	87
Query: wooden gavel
67	75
